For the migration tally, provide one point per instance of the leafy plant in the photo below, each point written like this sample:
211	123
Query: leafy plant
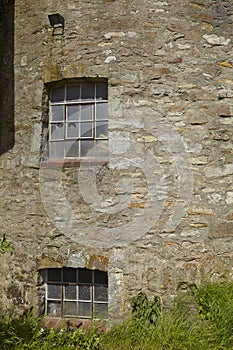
5	246
145	309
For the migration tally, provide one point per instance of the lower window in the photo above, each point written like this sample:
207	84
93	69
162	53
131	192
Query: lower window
80	293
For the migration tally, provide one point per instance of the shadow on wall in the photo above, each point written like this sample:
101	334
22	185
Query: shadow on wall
6	75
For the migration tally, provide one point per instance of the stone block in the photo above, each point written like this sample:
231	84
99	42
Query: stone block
98	262
224	111
220	229
213	39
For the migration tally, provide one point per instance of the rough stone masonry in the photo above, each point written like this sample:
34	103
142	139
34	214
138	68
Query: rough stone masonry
169	69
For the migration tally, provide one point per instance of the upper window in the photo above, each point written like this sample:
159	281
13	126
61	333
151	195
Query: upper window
81	293
78	119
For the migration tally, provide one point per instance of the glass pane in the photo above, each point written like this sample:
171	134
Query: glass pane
73	112
54	275
86	112
57	131
86	129
54	291
101	111
72	130
101	149
85	276
56	149
70	292
57	113
84	292
70	308
69	274
73	92
100	293
72	149
84	309
101	91
101	311
58	94
100	277
87	91
54	308
101	130
86	148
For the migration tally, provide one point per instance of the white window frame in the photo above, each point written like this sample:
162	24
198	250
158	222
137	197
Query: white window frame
93	301
73	146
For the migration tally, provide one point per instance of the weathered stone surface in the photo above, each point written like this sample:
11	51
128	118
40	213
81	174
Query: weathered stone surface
169	71
221	230
224	111
213	39
224	170
200	211
230	217
229	198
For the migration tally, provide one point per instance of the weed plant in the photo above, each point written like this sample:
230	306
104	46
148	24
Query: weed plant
201	318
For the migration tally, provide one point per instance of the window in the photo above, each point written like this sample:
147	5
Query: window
78	119
80	293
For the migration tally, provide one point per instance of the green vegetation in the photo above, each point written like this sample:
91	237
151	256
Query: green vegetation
5	246
201	318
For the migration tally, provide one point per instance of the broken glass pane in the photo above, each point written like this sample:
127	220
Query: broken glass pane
72	130
57	131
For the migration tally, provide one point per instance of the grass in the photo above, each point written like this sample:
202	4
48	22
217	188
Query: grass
200	319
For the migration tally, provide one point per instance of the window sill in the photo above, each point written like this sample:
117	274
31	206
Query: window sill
68	163
72	323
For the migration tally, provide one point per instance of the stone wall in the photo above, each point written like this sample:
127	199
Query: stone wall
169	175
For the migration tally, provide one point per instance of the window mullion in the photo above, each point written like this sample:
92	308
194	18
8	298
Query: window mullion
65	129
92	294
46	298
